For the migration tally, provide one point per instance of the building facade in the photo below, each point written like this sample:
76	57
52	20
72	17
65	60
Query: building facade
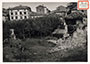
60	10
42	9
5	14
19	12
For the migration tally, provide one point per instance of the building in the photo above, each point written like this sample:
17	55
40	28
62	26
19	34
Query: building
5	15
36	15
60	10
19	12
42	9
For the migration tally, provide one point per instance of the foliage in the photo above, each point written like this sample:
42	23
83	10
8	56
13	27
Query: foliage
32	27
36	50
72	5
18	50
75	15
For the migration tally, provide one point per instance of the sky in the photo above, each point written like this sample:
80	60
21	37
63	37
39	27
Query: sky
50	5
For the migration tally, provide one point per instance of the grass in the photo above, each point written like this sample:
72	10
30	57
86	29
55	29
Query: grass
36	50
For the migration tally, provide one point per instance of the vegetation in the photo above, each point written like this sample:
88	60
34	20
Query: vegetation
37	50
32	27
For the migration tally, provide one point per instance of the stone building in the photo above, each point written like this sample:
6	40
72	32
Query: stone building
19	12
36	15
60	10
42	9
5	16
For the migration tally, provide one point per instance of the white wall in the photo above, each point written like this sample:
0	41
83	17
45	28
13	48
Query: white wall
18	14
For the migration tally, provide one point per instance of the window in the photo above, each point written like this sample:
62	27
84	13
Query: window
24	12
15	13
20	12
11	17
11	13
40	10
16	17
25	17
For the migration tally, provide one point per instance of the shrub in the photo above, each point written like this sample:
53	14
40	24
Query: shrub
37	27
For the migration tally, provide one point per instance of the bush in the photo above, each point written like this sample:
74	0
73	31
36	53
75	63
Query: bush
37	27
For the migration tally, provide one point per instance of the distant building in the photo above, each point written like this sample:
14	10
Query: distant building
19	12
60	10
5	15
42	9
36	15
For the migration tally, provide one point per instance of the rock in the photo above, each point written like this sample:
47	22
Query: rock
52	41
34	53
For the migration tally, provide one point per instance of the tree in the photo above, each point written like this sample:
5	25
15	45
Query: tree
71	5
37	27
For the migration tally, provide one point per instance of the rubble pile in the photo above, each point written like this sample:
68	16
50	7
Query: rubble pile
77	40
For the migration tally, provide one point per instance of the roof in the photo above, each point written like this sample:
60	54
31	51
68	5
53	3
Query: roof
41	6
61	8
20	7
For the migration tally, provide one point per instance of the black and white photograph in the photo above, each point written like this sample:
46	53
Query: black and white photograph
44	32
